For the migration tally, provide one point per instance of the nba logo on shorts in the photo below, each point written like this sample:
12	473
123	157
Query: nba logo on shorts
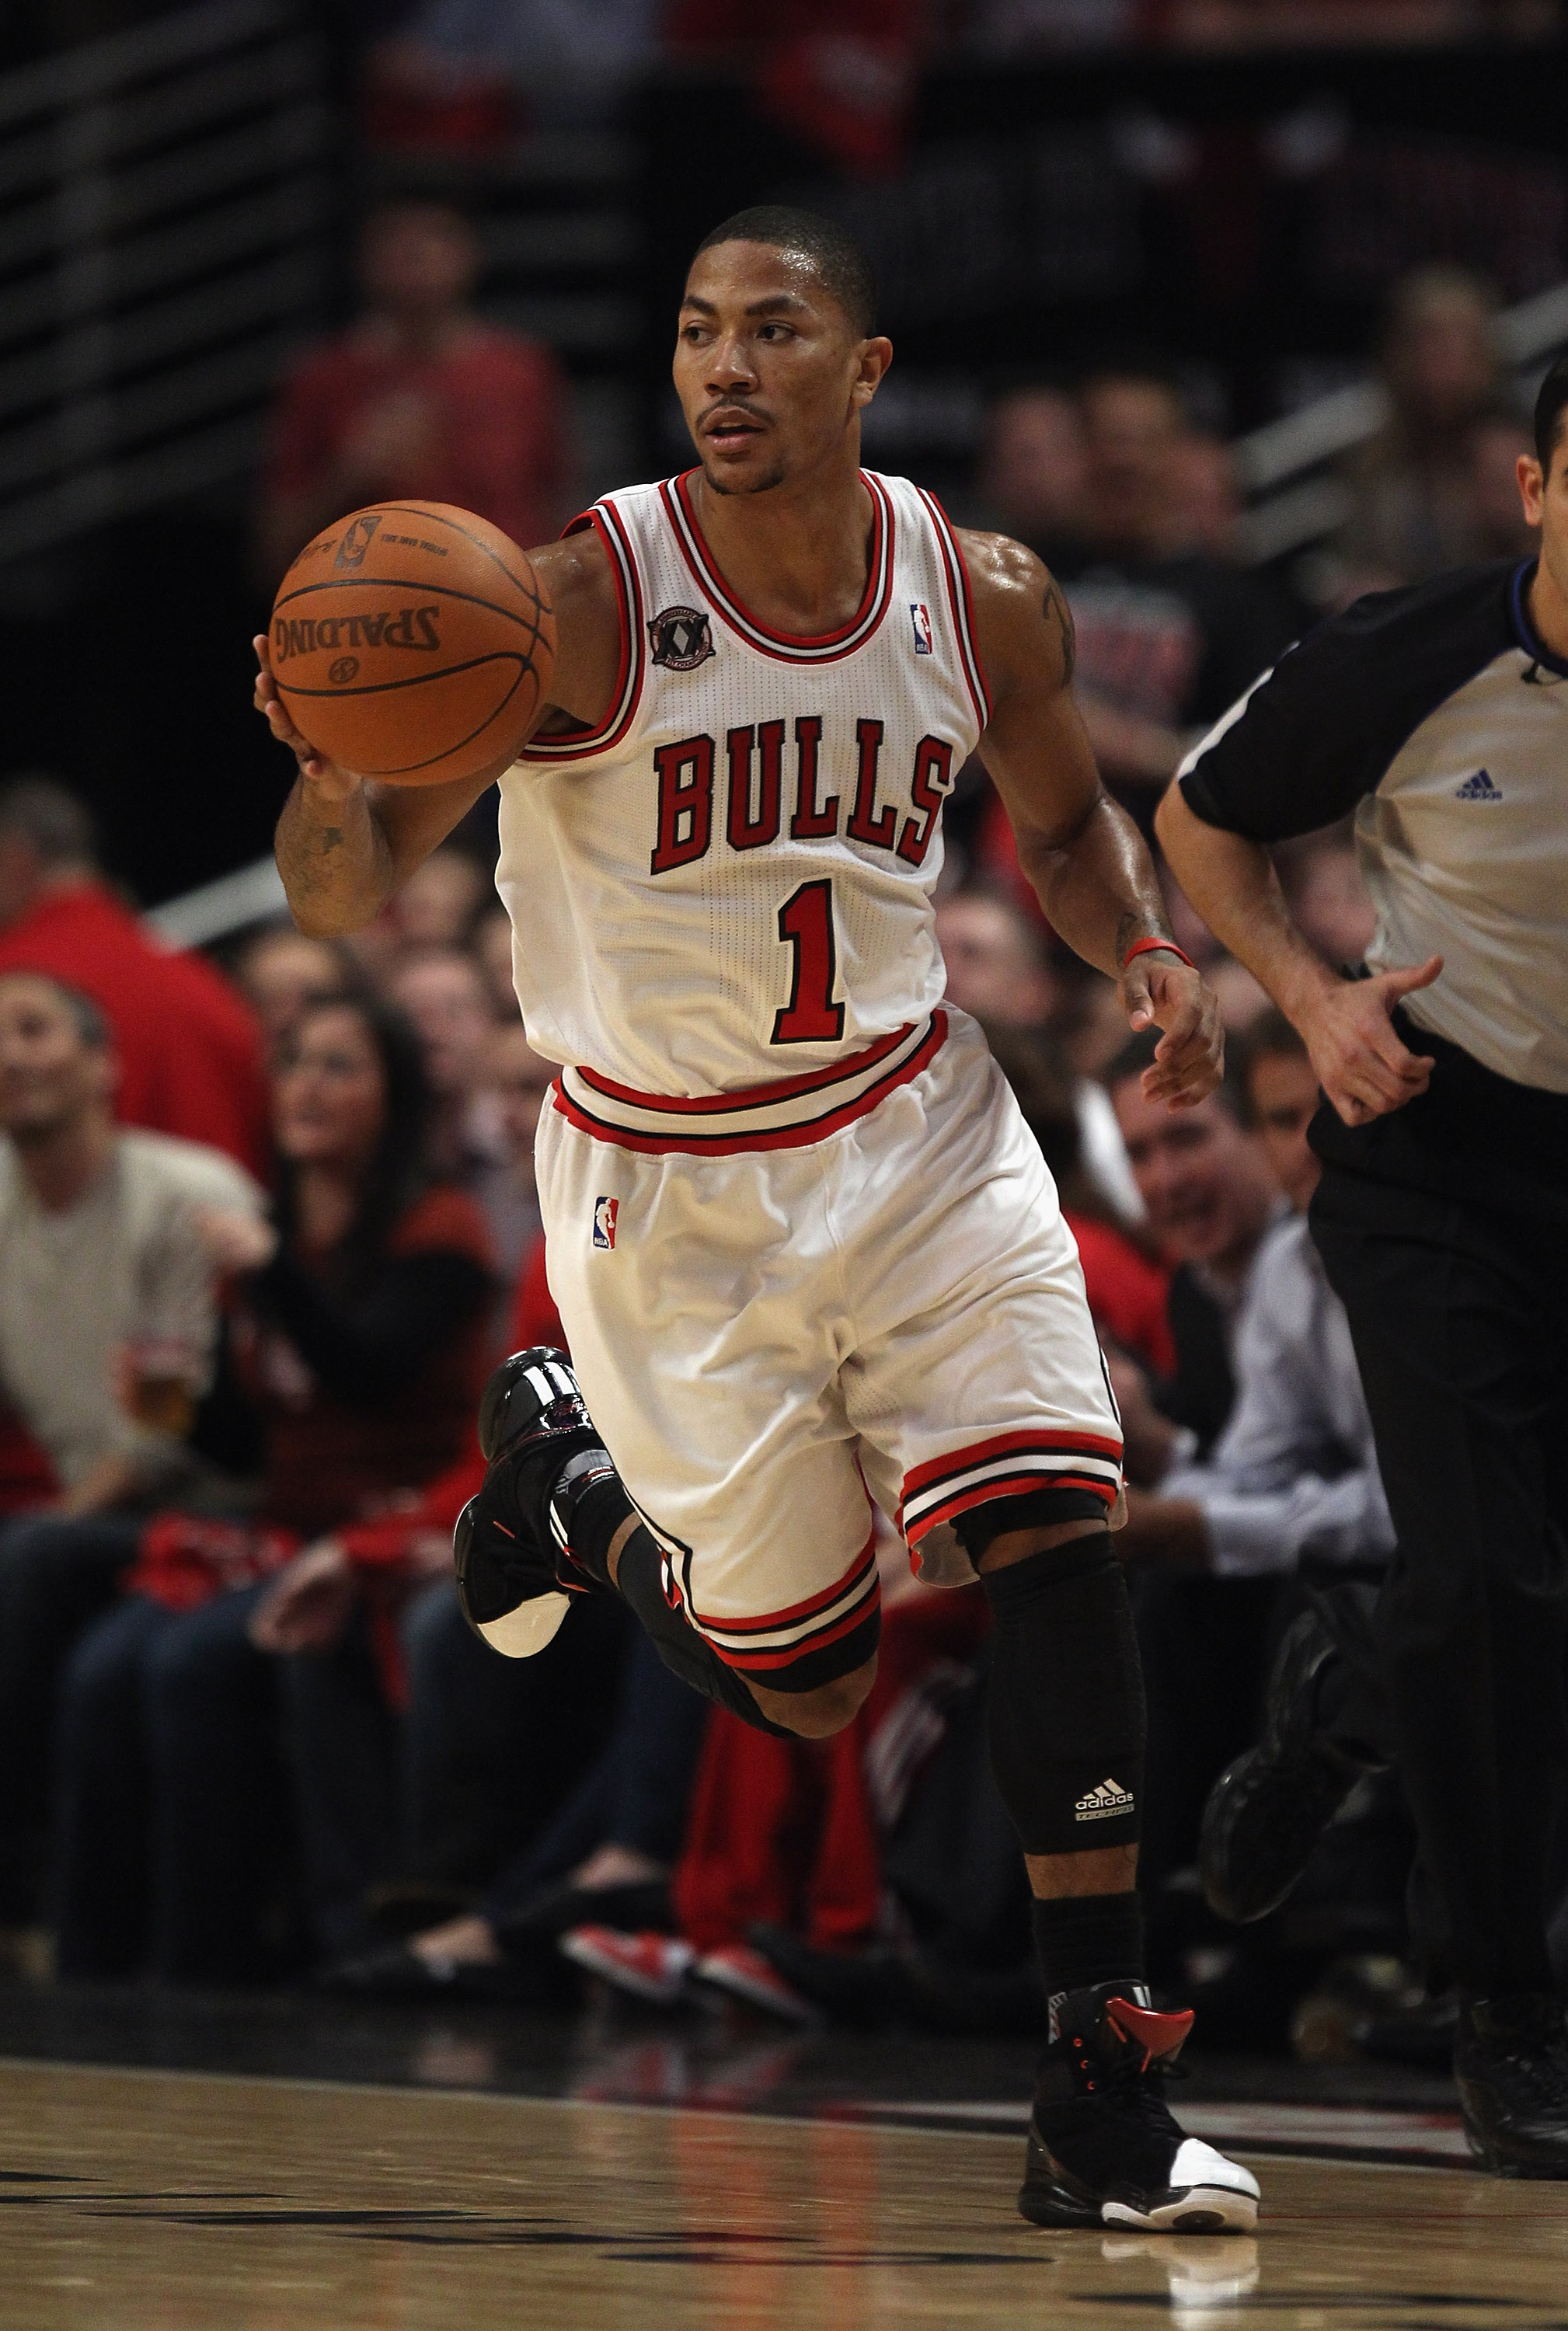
920	616
605	1212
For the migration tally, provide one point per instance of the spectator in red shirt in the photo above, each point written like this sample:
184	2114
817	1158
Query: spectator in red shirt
189	1047
420	400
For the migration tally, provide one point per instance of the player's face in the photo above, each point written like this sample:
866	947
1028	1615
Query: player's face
1283	1089
771	374
48	1072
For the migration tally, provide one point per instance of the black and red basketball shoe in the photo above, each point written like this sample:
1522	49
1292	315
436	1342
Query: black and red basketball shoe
1104	2146
516	1568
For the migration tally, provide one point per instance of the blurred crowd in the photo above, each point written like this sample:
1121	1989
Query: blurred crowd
264	1228
267	1221
467	75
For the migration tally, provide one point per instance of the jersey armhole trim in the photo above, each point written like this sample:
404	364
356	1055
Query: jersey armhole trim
607	524
961	598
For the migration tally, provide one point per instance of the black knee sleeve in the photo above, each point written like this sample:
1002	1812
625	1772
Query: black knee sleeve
678	1643
1066	1710
1035	1510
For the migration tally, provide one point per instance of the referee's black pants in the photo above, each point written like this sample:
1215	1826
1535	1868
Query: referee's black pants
1451	1258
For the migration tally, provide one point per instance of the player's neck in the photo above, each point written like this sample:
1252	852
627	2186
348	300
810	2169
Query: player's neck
796	556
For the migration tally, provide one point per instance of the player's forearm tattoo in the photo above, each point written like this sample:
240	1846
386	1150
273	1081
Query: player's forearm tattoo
1147	925
1055	609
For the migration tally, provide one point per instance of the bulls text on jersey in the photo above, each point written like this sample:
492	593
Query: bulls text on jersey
763	774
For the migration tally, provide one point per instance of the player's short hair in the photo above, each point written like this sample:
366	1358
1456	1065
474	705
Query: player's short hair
92	1024
1550	399
840	266
1138	1054
49	816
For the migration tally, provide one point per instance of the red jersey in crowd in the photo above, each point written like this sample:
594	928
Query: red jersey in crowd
191	1058
496	439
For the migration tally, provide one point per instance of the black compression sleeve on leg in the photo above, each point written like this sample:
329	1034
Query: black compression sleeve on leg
1066	1712
677	1641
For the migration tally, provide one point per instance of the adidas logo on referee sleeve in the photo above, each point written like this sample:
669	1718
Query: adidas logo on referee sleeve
1111	1797
1478	788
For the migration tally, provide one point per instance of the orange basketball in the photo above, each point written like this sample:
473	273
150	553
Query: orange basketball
411	643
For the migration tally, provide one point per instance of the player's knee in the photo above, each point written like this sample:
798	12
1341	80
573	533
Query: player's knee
826	1708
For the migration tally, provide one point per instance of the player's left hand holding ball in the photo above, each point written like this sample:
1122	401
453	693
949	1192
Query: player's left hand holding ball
1162	990
333	783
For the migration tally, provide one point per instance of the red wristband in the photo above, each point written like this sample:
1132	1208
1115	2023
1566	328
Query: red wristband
1163	947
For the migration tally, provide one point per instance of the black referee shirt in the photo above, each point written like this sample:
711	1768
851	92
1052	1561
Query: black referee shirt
1438	718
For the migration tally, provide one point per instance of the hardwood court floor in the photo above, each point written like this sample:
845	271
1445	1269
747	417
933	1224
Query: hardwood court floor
135	2200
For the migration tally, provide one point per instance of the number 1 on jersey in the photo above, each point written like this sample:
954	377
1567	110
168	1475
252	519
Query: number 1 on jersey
806	922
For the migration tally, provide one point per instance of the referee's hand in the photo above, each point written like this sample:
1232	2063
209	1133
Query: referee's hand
1164	991
1361	1064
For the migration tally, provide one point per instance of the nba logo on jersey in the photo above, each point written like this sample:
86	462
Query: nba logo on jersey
605	1212
921	618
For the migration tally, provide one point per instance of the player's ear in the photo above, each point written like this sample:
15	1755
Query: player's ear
876	355
1531	487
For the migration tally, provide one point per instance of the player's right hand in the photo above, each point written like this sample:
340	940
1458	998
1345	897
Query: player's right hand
334	782
1361	1064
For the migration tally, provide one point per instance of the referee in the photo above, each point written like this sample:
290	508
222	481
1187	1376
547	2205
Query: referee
1440	715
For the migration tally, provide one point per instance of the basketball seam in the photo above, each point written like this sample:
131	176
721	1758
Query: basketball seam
413	679
437	512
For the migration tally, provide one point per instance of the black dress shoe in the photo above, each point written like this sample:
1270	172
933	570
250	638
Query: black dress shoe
1422	2037
400	1972
1267	1810
1511	2067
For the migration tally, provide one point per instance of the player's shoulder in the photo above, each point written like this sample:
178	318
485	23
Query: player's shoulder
1001	569
1023	625
577	572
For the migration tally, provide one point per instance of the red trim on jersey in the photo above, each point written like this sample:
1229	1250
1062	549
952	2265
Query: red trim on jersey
750	1096
786	1654
961	598
1004	1444
762	1663
1004	1486
786	1136
788	647
863	1563
628	692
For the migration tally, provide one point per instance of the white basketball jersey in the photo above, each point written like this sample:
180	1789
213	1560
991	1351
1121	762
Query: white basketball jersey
728	882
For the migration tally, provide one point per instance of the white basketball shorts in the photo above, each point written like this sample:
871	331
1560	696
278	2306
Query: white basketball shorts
786	1303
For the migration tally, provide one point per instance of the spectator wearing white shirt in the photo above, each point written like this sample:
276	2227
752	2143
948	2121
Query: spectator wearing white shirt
1295	1471
108	1325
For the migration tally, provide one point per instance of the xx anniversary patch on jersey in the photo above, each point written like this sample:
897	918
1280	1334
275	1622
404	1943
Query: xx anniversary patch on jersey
682	638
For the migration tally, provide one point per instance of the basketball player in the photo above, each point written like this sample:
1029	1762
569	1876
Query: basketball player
1439	717
804	1248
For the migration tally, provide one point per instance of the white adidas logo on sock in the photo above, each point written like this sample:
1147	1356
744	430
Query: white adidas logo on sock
1111	1797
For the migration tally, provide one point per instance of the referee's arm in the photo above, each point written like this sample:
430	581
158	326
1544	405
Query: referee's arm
1361	1064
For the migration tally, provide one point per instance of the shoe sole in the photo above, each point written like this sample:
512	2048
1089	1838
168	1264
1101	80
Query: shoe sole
1049	2197
1201	2210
